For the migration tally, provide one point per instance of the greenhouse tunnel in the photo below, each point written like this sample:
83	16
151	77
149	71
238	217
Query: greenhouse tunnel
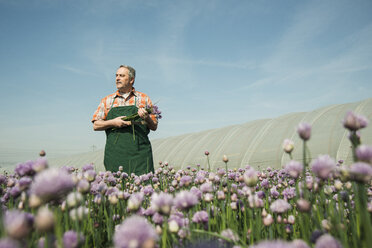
256	143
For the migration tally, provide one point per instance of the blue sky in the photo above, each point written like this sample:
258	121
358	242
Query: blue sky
208	64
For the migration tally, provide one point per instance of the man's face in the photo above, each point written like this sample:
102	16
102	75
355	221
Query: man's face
123	81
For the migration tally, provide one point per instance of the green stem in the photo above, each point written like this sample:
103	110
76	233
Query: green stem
164	235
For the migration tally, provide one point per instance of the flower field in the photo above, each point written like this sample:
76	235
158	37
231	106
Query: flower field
317	203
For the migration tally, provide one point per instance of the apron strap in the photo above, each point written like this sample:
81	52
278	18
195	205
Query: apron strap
135	101
112	104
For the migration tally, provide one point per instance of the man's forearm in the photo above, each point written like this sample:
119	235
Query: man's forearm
151	124
101	125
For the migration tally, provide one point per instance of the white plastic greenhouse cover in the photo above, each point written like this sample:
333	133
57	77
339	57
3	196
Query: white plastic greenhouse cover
256	143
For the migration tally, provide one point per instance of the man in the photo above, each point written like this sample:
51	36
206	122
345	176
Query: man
127	143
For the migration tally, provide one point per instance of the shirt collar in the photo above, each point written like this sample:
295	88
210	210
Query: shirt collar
134	92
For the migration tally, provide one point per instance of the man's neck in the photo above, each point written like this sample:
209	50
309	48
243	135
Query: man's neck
125	91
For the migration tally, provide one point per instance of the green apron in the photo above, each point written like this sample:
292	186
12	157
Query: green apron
122	149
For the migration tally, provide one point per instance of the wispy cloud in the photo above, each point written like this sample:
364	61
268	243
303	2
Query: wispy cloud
75	70
204	62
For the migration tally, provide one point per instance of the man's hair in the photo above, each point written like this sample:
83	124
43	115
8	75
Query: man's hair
132	71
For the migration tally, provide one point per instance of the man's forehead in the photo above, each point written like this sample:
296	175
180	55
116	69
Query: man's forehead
122	70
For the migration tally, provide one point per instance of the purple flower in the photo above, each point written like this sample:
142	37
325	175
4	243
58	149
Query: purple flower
149	212
360	172
364	153
124	175
112	191
88	167
265	184
304	131
102	187
221	172
90	175
157	218
155	179
230	234
185	200
162	203
9	243
196	192
273	244
289	193
299	243
24	182
261	194
111	180
280	206
51	184
206	187
185	181
200	217
68	169
24	169
147	190
3	180
71	239
294	168
354	122
327	241
135	201
134	232
40	164
274	193
250	177
178	218
83	186
15	191
155	111
323	166
17	224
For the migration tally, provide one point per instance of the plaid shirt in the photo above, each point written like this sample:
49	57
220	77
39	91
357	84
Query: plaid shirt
116	100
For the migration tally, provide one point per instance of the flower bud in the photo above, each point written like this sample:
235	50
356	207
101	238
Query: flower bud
158	230
173	226
208	197
338	184
233	206
268	220
304	131
291	219
326	224
34	201
264	213
97	199
74	199
348	185
303	205
288	145
221	195
17	224
44	220
113	199
225	159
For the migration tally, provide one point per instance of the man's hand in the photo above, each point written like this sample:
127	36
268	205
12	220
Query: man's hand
118	122
101	125
153	125
143	113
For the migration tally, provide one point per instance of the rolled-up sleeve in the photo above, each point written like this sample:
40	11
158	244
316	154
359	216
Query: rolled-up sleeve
100	113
